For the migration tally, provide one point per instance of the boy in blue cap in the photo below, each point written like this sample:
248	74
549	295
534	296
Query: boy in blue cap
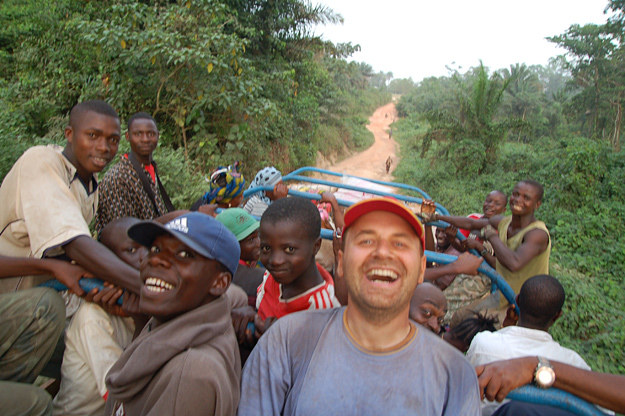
185	361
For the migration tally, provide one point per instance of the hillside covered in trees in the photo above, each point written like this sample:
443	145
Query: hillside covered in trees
226	80
466	134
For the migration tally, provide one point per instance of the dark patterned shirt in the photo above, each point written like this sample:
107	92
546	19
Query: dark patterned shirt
122	195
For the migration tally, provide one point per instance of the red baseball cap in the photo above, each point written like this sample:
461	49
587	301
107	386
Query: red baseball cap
385	204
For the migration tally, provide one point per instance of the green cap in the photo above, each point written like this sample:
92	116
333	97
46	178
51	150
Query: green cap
238	221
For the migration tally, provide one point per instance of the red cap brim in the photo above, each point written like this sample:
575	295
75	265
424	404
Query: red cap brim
388	205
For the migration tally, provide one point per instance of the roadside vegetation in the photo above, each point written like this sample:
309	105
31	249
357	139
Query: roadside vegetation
226	80
247	80
464	135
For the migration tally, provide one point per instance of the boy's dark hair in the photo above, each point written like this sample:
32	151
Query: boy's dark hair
541	297
466	330
97	106
138	116
297	210
539	188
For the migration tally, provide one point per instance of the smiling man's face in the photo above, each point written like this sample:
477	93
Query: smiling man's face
382	263
176	279
92	142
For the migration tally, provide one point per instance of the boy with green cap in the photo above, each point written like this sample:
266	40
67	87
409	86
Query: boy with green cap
249	274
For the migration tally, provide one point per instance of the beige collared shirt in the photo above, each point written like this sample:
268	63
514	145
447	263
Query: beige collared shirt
43	205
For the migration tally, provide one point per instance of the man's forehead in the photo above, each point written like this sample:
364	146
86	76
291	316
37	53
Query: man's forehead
144	123
370	222
527	188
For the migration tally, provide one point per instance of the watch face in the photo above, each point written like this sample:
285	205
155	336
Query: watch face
545	377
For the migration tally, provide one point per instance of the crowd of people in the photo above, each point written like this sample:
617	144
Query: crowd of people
212	311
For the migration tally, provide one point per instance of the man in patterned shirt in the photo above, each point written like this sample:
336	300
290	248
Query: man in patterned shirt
132	188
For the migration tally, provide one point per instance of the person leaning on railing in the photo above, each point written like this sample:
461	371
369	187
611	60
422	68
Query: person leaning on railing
499	378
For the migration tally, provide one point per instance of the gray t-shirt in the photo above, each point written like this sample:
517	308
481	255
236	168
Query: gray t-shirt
306	364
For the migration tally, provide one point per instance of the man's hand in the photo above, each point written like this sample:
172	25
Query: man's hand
499	378
328	197
240	318
467	263
68	274
488	232
280	190
428	210
263	326
451	232
107	298
472	244
208	209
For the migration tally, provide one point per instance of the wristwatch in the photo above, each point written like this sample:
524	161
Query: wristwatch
544	376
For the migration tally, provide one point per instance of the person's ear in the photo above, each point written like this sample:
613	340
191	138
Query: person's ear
339	264
69	133
422	270
317	246
220	283
127	135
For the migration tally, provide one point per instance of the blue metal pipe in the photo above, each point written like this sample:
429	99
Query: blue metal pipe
557	398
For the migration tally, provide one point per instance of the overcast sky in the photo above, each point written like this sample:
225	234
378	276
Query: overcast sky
417	38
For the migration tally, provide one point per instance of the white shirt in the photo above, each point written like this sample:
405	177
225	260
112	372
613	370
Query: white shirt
514	342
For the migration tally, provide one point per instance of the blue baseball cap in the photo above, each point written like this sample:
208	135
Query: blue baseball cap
201	232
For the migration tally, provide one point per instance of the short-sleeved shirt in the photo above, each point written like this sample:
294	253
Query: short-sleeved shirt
44	206
270	302
122	195
308	363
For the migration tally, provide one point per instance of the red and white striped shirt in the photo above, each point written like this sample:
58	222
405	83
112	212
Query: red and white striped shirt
269	301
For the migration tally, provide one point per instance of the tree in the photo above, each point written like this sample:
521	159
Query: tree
597	58
471	135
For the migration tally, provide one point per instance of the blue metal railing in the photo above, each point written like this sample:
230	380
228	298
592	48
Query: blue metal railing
557	398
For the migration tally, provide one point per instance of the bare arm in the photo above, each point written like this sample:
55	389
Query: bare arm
63	271
498	378
467	263
463	222
103	263
534	243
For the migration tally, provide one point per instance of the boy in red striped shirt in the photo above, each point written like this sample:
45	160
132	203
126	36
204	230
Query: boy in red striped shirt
289	241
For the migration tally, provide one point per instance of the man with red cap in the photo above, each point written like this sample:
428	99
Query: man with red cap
367	358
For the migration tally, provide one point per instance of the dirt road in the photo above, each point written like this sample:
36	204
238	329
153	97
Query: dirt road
371	163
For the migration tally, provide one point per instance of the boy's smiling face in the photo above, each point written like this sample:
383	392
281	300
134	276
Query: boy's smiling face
286	250
177	279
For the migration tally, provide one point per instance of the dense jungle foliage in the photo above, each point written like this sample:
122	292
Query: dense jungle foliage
226	80
247	80
464	135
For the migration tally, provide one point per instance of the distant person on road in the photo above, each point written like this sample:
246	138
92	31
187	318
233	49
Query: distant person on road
389	162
